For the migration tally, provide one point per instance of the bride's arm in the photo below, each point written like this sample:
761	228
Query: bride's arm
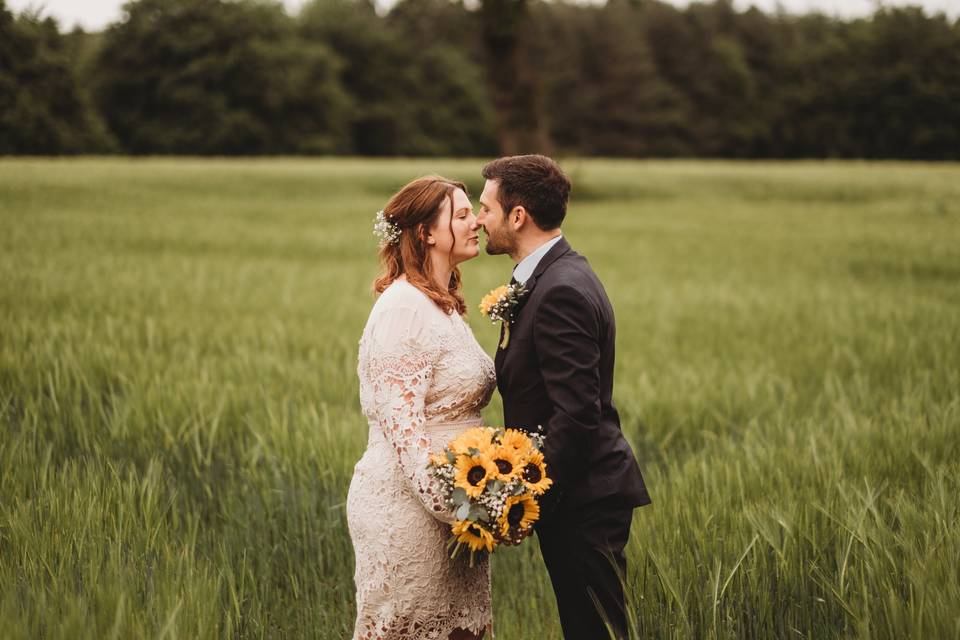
401	371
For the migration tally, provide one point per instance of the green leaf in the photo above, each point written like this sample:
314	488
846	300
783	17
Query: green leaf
478	512
463	511
459	496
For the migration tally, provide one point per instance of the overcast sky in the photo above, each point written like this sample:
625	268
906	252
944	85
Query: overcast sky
96	14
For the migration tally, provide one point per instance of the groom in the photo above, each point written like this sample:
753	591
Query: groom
556	370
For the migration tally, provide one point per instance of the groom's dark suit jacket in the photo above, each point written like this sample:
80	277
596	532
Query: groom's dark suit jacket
557	371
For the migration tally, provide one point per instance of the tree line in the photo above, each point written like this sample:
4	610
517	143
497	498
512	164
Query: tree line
436	77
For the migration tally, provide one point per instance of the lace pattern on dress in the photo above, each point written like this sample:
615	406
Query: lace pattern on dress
399	383
420	370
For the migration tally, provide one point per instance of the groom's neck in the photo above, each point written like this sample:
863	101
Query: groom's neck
530	242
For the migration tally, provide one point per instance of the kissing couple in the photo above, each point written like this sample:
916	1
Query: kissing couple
424	379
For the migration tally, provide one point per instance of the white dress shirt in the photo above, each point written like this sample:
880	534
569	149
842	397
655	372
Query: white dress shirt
528	265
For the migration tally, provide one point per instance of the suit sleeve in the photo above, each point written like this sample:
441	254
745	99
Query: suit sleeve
567	343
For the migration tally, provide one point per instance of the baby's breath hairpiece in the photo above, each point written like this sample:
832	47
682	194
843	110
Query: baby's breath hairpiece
389	232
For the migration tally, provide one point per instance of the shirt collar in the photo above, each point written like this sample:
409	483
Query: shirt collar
528	265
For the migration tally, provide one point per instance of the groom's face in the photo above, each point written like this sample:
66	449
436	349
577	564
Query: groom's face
500	236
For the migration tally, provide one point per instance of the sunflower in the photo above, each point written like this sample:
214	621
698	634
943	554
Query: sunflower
473	472
519	514
509	463
476	438
473	535
535	474
492	298
518	441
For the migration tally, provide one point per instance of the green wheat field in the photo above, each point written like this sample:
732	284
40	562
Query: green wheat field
179	416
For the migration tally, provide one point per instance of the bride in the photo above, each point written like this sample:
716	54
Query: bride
423	380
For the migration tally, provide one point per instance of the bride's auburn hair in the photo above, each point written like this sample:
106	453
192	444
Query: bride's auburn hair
414	209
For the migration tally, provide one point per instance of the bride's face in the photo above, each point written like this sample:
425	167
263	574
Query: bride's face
456	235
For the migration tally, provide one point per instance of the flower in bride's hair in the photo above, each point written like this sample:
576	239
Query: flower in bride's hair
534	474
519	514
473	473
473	535
508	461
386	230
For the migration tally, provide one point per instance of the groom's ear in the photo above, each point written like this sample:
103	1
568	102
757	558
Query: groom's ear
518	217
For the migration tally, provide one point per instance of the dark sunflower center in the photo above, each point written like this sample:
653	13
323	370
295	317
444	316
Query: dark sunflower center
515	515
476	475
503	465
475	530
531	473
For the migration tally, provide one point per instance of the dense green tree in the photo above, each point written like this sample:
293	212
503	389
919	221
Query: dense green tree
554	52
434	77
370	71
885	87
43	107
699	53
442	44
416	91
218	77
604	93
515	88
813	90
905	99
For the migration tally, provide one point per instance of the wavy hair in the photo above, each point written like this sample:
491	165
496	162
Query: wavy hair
414	209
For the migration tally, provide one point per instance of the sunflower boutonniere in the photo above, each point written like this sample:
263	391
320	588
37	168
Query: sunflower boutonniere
499	306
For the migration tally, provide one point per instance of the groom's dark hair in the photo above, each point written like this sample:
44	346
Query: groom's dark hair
536	183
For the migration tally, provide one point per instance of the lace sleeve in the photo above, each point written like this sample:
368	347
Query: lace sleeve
400	370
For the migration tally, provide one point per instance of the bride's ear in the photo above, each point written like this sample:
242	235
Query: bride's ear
426	236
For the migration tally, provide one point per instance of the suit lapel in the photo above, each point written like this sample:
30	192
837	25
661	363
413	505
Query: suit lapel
557	250
560	248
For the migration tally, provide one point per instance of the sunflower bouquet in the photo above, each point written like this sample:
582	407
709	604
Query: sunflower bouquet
491	478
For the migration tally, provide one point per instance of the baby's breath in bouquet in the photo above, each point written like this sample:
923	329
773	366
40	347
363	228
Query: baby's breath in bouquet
491	478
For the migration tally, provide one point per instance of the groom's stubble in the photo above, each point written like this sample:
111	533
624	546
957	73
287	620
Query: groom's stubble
500	241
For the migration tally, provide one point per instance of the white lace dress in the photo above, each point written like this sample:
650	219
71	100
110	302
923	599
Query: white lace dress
423	380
